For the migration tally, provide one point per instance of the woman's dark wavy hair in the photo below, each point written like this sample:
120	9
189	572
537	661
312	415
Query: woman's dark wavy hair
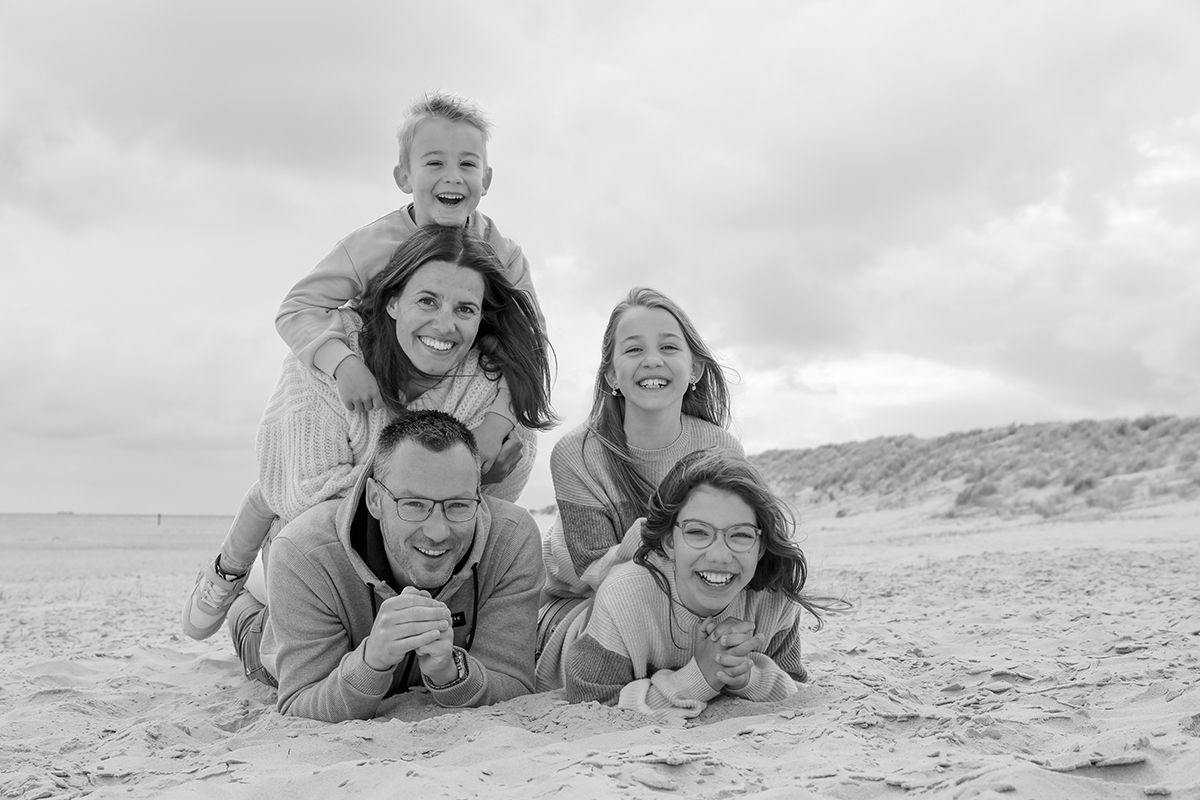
510	340
781	567
709	400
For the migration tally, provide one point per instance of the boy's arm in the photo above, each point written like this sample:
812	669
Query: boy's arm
306	320
502	404
498	422
517	269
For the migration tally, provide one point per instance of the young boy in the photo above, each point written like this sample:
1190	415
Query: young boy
443	164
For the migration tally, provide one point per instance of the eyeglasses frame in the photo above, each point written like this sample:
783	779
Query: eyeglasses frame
478	500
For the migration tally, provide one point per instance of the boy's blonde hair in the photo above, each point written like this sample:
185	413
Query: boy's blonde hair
442	105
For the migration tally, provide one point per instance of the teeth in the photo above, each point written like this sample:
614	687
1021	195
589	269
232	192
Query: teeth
716	578
431	553
436	344
652	383
450	197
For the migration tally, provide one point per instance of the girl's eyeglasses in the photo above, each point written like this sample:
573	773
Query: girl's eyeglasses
699	534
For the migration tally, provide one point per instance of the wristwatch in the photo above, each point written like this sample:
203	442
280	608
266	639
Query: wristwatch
460	664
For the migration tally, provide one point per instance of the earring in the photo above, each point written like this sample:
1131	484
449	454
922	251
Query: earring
692	385
616	392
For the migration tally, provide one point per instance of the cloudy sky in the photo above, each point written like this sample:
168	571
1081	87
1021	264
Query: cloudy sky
887	218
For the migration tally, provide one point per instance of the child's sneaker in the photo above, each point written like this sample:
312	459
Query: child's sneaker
209	602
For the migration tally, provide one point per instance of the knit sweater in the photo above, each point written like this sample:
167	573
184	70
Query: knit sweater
324	598
594	527
306	320
637	632
311	448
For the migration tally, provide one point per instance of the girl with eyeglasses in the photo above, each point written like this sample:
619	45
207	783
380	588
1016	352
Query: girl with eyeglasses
713	599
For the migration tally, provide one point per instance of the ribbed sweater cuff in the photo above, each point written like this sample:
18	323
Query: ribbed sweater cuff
765	683
688	682
362	677
460	694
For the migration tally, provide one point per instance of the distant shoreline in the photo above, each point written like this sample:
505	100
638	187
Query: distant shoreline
133	514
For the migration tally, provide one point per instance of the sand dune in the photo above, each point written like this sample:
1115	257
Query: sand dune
983	659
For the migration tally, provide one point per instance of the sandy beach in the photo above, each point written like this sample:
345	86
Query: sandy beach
983	658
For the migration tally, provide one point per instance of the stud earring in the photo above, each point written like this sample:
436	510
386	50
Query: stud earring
692	385
616	392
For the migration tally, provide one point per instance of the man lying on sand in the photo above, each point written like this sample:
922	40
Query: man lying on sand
412	579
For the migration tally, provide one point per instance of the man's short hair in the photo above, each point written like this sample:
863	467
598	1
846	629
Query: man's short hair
436	431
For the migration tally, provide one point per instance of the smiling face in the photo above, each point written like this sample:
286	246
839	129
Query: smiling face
423	554
651	362
447	172
708	580
437	315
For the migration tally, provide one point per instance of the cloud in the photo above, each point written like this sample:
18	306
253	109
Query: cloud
886	217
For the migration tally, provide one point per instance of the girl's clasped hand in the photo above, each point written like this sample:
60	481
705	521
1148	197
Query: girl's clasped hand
723	651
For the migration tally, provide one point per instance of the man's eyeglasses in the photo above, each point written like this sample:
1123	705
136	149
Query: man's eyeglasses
699	534
419	509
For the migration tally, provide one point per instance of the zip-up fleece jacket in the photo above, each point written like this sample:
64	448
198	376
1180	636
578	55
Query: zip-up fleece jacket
324	598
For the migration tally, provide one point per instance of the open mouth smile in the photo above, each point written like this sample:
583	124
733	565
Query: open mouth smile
450	198
653	383
430	553
441	345
717	580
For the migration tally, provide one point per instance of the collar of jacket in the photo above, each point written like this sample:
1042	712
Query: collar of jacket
352	505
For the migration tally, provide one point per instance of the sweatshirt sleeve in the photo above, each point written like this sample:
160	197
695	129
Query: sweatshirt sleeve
306	321
593	672
595	572
586	531
517	269
319	675
500	661
607	675
502	404
614	653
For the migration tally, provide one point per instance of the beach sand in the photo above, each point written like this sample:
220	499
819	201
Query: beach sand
983	659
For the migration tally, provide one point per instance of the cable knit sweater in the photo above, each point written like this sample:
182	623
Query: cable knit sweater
637	647
311	448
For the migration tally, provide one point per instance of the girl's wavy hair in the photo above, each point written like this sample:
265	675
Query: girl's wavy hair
709	400
781	566
510	340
